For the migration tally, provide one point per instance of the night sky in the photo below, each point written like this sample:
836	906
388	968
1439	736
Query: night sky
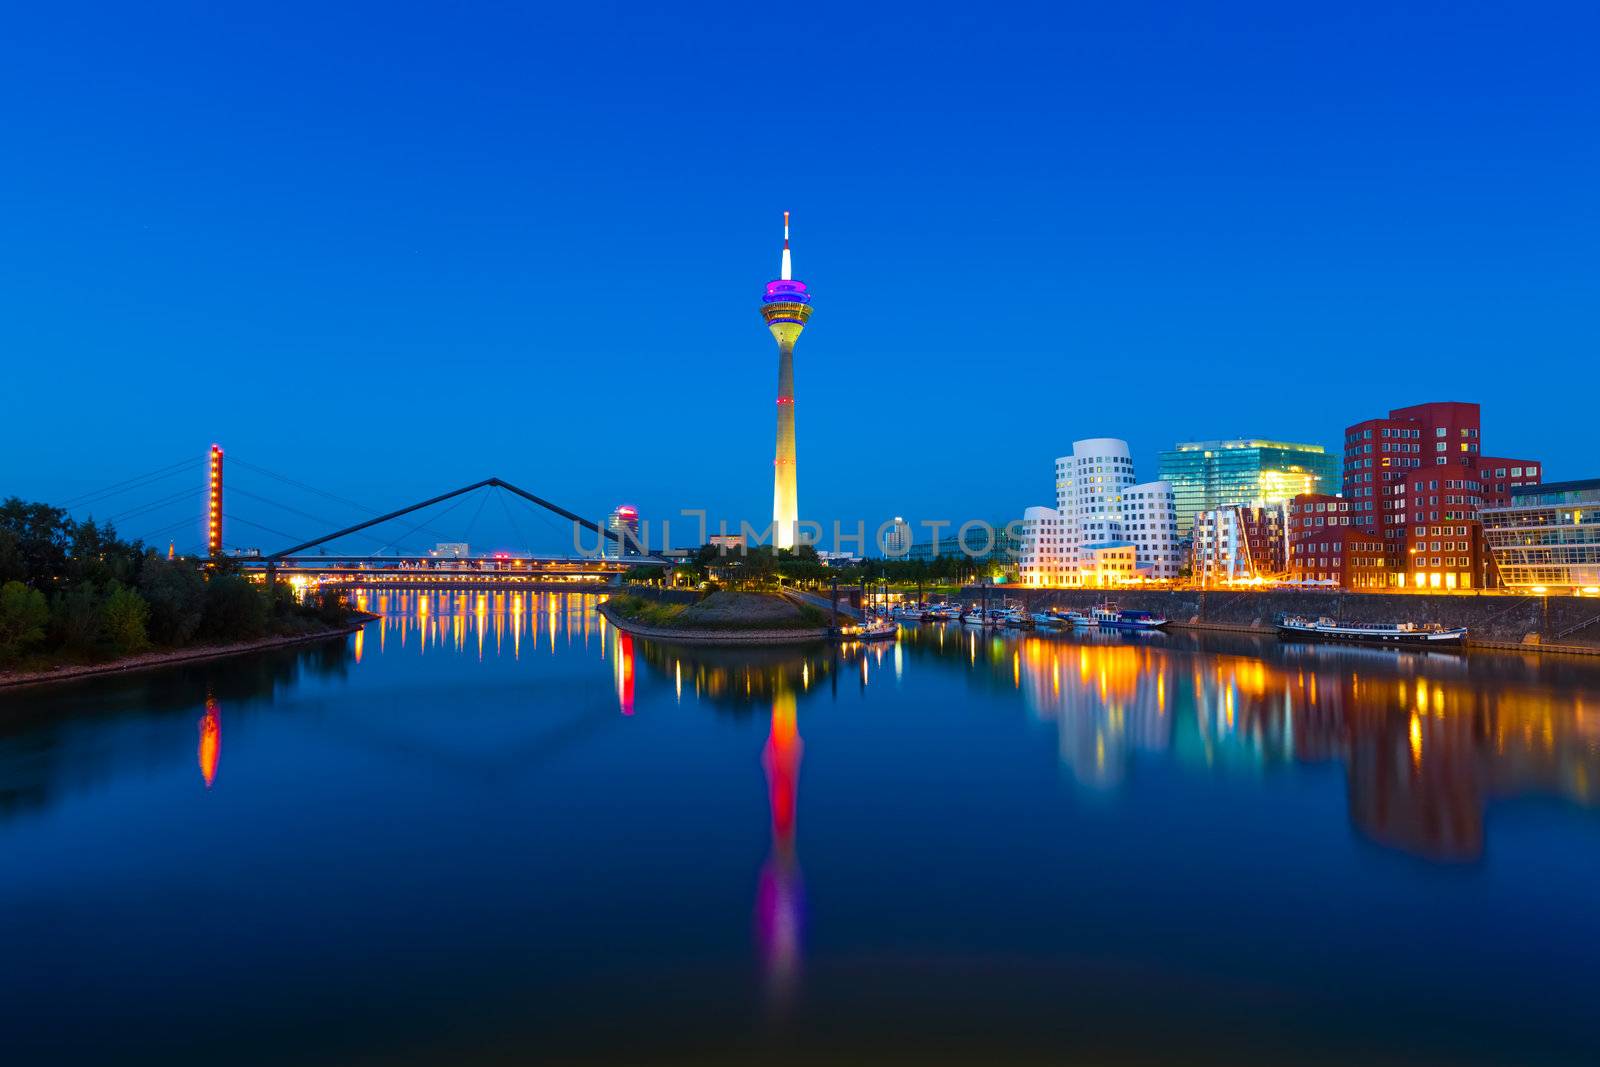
387	250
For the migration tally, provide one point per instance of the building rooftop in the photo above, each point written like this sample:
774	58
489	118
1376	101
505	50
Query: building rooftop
1581	485
1246	442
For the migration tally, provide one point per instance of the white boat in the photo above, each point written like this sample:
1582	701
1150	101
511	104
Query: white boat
1017	618
1077	618
1049	620
1381	633
872	630
1107	617
942	612
912	612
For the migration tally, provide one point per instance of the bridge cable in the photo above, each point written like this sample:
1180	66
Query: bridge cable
167	528
482	500
515	526
276	533
117	487
457	503
320	492
155	505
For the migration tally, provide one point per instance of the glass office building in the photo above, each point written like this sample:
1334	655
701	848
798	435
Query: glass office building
1548	539
1216	474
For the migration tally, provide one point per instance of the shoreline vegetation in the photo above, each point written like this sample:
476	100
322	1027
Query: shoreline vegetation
76	599
155	660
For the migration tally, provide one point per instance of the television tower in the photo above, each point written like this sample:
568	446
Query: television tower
786	307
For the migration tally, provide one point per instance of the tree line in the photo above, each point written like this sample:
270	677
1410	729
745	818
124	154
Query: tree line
74	591
763	567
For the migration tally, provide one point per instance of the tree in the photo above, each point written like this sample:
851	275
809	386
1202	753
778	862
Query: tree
235	609
123	621
176	593
23	615
42	534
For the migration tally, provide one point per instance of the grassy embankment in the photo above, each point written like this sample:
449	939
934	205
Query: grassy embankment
721	611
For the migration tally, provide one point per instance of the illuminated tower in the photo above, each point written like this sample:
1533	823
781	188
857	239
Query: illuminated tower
786	307
214	504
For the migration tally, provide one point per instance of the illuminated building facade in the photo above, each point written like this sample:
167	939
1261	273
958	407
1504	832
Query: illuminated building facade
1417	479
1238	544
1097	503
1217	474
786	307
1547	539
1325	547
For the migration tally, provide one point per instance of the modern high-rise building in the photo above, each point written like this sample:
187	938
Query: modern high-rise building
1417	479
1100	511
786	307
1220	474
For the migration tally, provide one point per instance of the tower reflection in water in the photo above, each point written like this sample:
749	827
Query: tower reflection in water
210	740
780	894
742	680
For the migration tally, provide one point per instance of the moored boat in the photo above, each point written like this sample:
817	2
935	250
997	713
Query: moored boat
1381	633
1108	617
1049	620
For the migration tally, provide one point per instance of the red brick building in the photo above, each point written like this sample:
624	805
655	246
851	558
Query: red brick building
1415	481
1327	544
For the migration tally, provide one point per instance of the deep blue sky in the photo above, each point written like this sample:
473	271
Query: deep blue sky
388	250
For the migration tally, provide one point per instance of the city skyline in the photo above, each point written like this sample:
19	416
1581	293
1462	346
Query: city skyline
347	267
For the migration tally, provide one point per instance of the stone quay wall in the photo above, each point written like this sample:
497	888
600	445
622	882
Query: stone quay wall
1489	618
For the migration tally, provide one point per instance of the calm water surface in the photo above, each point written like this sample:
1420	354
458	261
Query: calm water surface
495	830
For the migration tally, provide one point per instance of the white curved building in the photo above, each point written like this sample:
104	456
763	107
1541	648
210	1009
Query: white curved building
1098	501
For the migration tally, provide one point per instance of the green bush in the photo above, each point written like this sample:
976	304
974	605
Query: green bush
23	615
124	615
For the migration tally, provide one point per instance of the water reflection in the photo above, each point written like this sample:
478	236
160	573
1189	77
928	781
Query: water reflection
780	897
1428	740
210	740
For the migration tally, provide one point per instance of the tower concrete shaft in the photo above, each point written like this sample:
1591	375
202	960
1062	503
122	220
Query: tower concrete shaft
786	308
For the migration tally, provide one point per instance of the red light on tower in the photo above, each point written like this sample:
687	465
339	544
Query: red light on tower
214	504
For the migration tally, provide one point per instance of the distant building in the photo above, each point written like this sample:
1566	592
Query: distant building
450	550
1416	479
838	559
1239	544
1004	547
1326	547
624	522
896	540
1548	537
728	541
1214	474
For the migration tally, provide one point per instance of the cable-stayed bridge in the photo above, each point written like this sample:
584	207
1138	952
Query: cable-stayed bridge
267	526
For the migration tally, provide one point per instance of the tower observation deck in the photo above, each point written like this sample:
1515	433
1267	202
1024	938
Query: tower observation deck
786	308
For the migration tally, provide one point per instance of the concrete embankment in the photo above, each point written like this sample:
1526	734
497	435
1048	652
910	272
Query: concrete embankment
1552	624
